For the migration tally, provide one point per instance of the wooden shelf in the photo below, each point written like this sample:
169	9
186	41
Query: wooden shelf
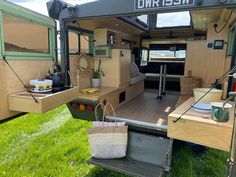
23	102
199	128
103	91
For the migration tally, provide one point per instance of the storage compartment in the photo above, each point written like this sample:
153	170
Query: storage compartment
23	101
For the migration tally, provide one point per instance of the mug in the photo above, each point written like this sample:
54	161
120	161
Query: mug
220	113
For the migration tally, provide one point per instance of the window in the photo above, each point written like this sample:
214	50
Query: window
166	54
144	58
230	42
73	42
143	18
84	43
80	42
166	51
25	36
174	19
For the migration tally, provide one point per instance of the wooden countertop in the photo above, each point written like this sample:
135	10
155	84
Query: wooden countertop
199	128
197	116
96	96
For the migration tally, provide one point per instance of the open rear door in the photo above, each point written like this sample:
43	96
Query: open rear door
148	155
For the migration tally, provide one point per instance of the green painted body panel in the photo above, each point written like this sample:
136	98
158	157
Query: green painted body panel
105	48
21	12
84	115
7	8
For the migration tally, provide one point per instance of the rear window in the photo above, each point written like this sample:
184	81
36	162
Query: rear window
25	36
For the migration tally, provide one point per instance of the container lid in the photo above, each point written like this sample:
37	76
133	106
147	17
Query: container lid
220	105
207	89
202	106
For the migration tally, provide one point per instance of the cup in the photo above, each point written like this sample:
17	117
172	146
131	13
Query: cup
220	112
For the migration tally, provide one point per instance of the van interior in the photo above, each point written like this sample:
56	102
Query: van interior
151	63
148	67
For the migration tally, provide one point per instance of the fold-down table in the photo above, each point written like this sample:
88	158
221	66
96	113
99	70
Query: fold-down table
199	128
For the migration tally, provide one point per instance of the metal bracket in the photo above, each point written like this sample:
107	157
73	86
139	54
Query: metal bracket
230	162
230	166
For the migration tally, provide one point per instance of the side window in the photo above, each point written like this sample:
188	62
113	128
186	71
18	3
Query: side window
144	57
25	36
86	43
73	43
230	42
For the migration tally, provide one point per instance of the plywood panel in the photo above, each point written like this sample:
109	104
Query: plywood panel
27	70
117	69
200	128
207	64
135	90
80	79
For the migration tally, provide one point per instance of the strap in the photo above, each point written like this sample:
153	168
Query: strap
105	110
18	77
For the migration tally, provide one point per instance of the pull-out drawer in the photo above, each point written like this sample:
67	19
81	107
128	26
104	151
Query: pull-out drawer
23	101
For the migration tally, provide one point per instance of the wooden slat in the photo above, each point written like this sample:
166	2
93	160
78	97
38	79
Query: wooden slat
199	128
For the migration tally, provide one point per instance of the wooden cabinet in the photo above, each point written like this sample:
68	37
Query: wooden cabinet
116	69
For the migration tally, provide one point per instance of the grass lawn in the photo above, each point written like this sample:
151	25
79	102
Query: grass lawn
56	145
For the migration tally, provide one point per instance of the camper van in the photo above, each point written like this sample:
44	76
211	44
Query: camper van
158	58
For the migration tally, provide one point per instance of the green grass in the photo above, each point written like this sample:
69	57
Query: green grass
56	145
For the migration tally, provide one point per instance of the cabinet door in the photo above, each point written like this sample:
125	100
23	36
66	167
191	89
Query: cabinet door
125	62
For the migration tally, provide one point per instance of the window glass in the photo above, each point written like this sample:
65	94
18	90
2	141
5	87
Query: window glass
174	19
230	43
143	18
167	54
144	58
73	43
84	43
24	36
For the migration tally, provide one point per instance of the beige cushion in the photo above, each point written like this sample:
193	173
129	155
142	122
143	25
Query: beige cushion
134	70
134	80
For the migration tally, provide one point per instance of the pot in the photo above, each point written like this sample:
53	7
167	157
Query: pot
213	96
41	86
57	77
96	83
